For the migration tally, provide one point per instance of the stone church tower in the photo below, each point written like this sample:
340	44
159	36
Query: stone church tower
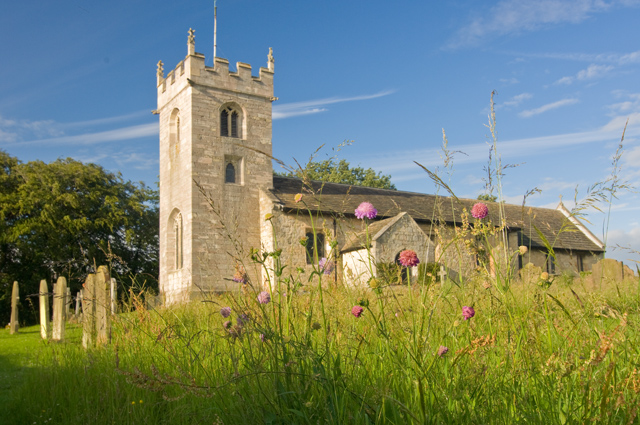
215	164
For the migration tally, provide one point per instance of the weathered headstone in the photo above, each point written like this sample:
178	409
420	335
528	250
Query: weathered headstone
67	302
114	287
103	309
78	300
15	296
89	312
59	309
609	270
443	275
530	273
44	309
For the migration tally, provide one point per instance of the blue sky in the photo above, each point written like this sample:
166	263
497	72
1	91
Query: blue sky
78	80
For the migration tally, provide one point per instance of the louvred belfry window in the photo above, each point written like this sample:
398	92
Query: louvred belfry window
230	122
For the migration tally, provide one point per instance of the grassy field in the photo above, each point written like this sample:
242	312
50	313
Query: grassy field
530	354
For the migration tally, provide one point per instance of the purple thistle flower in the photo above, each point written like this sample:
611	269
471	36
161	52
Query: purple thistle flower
264	297
408	258
468	312
239	277
480	211
242	319
226	324
442	350
357	310
366	210
262	337
225	312
326	266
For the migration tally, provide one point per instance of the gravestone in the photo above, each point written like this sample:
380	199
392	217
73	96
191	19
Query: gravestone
78	301
67	302
89	312
103	305
15	296
59	309
114	287
609	270
45	329
530	273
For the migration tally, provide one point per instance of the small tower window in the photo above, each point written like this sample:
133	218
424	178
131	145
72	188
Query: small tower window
175	241
230	174
230	122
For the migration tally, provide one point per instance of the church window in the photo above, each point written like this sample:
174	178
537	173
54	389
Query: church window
551	265
230	174
175	241
230	122
311	246
174	133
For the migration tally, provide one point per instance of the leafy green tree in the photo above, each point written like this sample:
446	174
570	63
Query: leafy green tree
64	218
341	172
487	197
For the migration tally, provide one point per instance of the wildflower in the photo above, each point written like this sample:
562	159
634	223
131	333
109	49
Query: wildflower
226	324
442	350
268	217
366	210
298	198
225	312
262	337
408	258
357	310
373	283
468	312
523	249
479	211
264	297
544	276
326	266
242	319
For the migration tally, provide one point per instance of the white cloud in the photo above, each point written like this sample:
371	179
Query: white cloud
547	107
517	100
591	73
119	134
517	16
295	109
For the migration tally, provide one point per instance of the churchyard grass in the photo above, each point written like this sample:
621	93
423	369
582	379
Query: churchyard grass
531	354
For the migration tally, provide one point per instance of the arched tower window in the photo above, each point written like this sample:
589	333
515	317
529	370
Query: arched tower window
177	226
230	174
174	133
175	230
231	121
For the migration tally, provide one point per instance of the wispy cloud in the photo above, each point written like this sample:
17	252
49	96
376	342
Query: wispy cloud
608	58
516	100
295	109
119	134
548	107
591	73
398	163
517	16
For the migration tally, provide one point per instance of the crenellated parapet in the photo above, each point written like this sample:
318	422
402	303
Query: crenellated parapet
193	72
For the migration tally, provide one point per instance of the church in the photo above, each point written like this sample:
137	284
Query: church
220	203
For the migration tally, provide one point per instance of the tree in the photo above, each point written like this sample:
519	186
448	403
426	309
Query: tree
487	197
66	217
340	172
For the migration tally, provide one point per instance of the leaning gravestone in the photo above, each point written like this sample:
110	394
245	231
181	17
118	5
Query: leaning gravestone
530	273
89	312
103	305
67	302
44	310
59	309
15	296
609	271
